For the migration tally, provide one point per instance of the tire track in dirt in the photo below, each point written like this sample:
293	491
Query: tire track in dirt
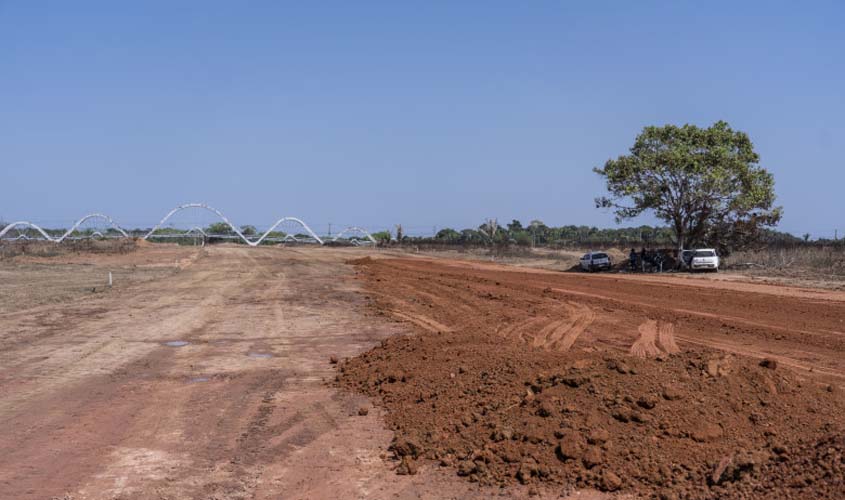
514	328
464	302
645	346
655	339
561	334
582	317
496	401
666	338
811	368
707	315
543	337
433	297
531	307
708	301
422	321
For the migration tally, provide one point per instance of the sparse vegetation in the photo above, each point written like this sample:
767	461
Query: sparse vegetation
801	260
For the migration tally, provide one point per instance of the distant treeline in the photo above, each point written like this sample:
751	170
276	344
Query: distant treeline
538	234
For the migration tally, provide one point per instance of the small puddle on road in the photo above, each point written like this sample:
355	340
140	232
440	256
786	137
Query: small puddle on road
198	379
260	355
176	343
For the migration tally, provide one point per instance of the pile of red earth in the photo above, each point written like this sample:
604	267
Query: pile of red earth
694	425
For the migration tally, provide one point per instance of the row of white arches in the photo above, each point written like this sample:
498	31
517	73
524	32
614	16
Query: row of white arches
68	233
360	235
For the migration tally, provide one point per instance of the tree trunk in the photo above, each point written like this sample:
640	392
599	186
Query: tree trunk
680	237
680	257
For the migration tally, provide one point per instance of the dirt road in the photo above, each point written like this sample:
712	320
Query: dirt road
94	403
800	328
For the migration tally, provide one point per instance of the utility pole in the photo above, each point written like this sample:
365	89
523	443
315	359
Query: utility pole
330	229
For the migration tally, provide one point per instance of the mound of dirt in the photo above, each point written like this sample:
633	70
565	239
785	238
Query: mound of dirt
504	413
695	424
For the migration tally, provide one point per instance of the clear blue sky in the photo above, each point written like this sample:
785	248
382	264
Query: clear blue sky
420	113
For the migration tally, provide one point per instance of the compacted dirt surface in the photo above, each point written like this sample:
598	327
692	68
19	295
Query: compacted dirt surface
94	403
635	386
228	372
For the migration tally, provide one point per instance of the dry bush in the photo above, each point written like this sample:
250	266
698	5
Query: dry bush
9	249
820	260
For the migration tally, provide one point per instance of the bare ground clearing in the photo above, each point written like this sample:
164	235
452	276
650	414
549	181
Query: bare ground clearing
649	386
94	404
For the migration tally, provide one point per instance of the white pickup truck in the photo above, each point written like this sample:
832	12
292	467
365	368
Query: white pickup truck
596	261
701	259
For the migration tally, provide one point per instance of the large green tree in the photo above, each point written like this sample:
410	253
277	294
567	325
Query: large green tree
706	183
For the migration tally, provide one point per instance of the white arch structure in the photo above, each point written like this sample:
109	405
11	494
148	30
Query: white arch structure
106	218
69	231
252	243
25	223
290	219
286	239
355	230
194	230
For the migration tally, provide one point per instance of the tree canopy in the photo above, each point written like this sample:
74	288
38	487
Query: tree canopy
382	236
448	234
706	183
219	228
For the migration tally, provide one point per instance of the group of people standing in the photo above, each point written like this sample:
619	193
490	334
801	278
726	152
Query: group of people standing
652	259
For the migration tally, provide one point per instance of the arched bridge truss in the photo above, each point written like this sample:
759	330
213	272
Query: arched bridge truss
355	231
194	231
67	234
234	228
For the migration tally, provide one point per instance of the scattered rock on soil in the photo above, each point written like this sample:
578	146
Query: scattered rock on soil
706	432
592	457
598	436
407	466
610	481
647	402
570	446
672	392
718	366
769	363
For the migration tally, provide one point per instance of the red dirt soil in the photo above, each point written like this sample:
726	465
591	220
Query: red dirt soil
653	388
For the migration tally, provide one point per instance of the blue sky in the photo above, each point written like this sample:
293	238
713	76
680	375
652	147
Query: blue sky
425	114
